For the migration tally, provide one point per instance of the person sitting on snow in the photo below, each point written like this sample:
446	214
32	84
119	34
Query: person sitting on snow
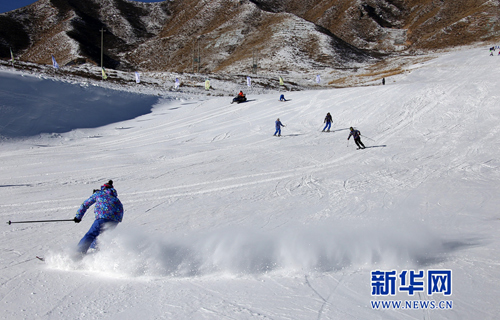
239	98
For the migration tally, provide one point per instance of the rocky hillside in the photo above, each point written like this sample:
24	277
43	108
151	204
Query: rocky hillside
231	36
394	25
70	30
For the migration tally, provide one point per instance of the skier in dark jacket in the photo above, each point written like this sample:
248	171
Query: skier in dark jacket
356	134
108	212
328	121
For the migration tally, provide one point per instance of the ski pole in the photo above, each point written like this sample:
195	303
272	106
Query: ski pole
367	137
37	221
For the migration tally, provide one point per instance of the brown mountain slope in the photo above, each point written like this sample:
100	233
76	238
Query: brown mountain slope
422	24
227	36
231	36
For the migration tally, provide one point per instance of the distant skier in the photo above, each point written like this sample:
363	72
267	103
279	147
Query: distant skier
108	212
278	127
383	81
282	97
356	134
328	121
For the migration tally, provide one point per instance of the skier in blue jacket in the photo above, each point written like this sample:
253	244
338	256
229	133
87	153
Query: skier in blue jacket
108	212
278	127
356	134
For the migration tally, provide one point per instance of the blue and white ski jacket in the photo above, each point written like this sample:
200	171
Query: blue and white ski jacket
107	205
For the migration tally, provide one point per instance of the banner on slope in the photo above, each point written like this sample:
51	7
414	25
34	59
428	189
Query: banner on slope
54	62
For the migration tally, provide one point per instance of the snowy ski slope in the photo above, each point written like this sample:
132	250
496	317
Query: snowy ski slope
225	221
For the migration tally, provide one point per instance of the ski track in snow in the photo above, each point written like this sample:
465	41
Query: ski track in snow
225	221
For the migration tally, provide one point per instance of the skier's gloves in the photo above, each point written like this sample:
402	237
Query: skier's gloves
76	220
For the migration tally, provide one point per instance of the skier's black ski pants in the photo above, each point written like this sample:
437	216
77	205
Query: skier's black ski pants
359	143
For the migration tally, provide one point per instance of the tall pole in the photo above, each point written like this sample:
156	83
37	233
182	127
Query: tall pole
102	52
199	55
254	62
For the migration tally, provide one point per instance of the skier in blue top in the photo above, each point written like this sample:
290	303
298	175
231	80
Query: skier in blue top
108	212
278	127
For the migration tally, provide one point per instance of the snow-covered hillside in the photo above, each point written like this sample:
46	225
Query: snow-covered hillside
225	221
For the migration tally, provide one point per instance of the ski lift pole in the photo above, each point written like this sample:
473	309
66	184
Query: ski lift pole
38	221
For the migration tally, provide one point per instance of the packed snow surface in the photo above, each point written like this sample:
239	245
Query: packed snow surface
223	220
